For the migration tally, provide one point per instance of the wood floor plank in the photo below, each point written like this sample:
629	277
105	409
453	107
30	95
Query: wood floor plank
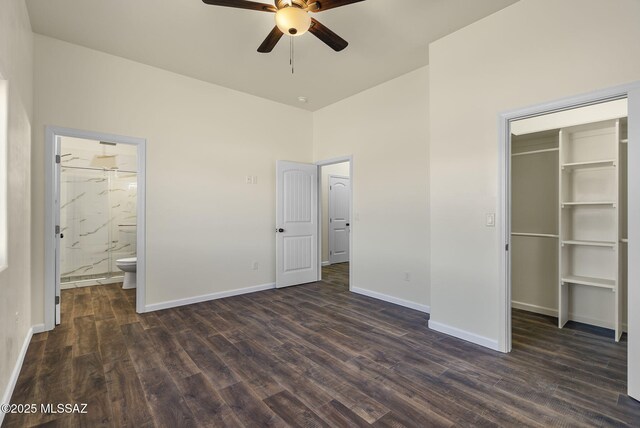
128	403
248	408
254	374
168	406
337	414
294	412
85	335
205	403
173	356
89	386
206	360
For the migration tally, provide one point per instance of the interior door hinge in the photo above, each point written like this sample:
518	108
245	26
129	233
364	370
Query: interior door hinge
57	158
506	247
57	229
57	300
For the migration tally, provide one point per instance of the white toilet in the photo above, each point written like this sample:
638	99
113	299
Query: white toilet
128	266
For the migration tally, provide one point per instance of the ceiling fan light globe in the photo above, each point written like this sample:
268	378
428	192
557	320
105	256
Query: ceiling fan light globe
293	21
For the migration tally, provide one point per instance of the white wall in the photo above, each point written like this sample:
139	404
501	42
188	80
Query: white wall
16	50
529	53
386	130
202	141
341	169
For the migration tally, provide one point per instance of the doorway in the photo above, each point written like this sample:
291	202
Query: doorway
302	222
95	227
579	232
335	190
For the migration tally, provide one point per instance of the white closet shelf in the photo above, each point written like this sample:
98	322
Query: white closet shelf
584	204
593	282
537	235
624	240
589	243
533	152
589	164
625	141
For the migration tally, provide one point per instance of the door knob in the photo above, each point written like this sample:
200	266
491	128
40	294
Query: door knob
280	230
347	224
61	235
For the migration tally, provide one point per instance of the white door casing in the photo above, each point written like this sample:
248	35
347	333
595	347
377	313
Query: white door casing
58	234
339	218
296	223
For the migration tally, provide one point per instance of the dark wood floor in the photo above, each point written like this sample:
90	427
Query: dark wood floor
314	355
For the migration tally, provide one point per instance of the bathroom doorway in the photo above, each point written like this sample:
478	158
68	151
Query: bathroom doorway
95	223
335	221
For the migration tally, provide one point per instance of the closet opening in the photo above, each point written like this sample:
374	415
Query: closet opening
569	218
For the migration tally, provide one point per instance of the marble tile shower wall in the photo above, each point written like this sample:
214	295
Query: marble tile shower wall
97	216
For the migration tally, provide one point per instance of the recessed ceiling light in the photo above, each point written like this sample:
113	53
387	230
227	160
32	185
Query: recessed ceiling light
303	100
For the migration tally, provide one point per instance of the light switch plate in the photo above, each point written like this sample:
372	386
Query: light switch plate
491	220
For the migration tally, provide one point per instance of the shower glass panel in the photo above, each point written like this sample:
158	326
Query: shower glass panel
97	212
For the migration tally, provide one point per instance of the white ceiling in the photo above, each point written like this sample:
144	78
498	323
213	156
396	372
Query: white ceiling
387	38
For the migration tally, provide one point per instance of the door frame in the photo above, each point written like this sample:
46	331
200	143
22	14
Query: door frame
320	164
330	236
631	92
51	133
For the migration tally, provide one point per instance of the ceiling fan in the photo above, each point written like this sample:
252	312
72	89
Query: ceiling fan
292	18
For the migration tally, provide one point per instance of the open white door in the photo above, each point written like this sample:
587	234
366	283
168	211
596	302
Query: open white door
339	215
296	223
59	235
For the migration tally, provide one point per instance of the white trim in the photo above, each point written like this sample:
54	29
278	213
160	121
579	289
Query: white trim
326	263
206	297
534	308
396	301
464	335
633	251
320	164
504	137
51	132
38	328
13	379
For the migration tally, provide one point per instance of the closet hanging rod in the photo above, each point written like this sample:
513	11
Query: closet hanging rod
625	141
535	235
533	152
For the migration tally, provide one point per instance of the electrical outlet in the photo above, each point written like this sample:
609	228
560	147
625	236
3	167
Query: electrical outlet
249	180
254	265
406	276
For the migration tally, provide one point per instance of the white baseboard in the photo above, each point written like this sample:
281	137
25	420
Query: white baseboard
534	308
206	297
391	299
465	335
573	317
326	263
8	392
38	328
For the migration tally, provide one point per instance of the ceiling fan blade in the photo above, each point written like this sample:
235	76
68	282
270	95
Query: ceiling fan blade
242	4
334	41
271	41
322	5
